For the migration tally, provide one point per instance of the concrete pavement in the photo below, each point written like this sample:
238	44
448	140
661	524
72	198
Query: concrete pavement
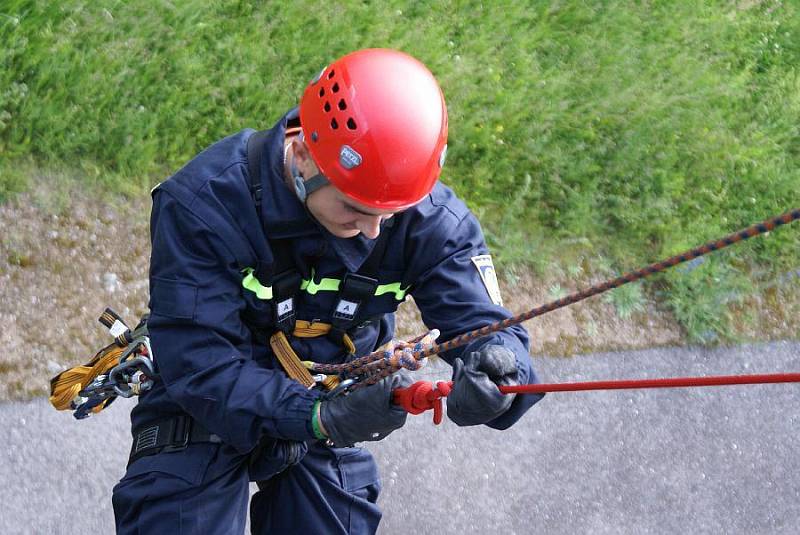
710	460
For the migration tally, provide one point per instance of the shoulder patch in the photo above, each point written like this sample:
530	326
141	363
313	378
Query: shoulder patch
489	277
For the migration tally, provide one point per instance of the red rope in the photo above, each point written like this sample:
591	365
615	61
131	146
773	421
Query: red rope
669	382
424	395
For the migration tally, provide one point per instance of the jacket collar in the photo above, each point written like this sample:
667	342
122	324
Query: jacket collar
283	214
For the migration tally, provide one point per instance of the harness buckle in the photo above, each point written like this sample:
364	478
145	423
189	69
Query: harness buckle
180	433
284	288
354	291
358	286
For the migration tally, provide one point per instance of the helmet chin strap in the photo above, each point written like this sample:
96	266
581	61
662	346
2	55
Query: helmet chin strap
302	187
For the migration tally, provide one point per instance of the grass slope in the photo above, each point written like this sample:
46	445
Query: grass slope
589	136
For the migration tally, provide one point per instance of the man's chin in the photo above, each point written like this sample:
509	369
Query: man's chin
345	232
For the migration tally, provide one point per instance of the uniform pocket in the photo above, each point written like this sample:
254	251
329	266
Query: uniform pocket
172	298
189	465
201	489
357	469
359	478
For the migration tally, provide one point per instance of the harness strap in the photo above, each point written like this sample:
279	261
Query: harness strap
255	149
358	288
372	264
308	329
285	285
285	278
291	363
170	434
289	360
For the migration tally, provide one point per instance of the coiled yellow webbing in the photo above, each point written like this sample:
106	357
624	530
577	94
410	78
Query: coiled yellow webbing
65	386
291	363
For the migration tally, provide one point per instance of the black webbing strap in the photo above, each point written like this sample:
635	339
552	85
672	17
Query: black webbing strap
285	285
285	277
255	150
358	288
372	264
170	434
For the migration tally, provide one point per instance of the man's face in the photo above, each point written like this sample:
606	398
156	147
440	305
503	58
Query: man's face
339	214
342	216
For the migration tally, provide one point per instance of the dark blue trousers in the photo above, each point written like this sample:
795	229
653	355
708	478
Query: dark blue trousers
205	489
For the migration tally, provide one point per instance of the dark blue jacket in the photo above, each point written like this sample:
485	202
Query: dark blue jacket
207	238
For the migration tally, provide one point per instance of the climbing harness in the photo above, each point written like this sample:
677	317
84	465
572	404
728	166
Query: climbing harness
286	281
123	368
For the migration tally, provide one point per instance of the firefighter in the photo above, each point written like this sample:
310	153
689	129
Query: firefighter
310	233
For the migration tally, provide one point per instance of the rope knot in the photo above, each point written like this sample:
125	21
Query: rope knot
423	396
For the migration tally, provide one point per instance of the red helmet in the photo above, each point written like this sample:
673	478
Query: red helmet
375	122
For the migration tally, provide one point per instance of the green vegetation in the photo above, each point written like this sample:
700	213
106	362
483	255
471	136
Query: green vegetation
627	299
615	131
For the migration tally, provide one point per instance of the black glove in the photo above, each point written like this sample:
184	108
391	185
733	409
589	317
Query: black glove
274	455
365	414
475	398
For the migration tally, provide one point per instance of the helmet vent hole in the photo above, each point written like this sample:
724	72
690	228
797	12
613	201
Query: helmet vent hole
330	74
335	87
351	124
334	124
327	106
321	92
342	105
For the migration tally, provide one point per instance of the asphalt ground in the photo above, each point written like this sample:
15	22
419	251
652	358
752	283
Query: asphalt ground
696	460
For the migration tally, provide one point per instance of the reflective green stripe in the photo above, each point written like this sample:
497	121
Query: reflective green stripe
250	282
399	293
325	285
312	287
332	285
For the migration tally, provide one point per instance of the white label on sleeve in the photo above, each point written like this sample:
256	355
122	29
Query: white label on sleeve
489	277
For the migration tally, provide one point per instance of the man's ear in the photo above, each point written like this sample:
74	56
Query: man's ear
300	151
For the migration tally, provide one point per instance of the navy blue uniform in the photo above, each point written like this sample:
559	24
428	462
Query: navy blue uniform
209	303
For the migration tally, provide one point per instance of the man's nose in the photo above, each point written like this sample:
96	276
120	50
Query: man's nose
370	226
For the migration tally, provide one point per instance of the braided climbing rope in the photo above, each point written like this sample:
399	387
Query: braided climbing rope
375	366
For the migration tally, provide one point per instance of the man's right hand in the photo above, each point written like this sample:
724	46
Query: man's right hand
366	414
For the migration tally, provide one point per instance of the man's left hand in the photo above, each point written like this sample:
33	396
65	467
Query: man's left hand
475	398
